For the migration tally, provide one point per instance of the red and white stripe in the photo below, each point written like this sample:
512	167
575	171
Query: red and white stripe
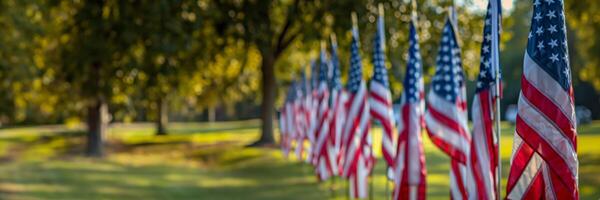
322	146
301	119
311	109
286	127
446	124
358	157
483	160
544	162
380	101
410	168
336	125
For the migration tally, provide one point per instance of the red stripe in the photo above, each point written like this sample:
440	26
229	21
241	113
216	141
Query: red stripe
555	162
550	110
560	190
351	160
458	175
380	99
447	148
536	188
477	174
523	155
486	122
447	121
387	130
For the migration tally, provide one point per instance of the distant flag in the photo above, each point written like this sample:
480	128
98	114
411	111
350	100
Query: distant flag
321	152
544	163
311	109
483	161
286	120
380	98
446	115
302	115
338	111
410	172
358	156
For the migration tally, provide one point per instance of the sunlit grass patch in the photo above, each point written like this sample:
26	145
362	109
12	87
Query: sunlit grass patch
207	161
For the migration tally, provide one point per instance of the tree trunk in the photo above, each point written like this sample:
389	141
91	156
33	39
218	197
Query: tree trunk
96	124
268	100
212	114
162	118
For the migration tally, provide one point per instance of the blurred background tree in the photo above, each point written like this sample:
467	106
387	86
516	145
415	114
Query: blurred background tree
121	61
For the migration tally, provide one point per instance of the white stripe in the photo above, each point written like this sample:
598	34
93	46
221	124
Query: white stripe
388	144
448	109
324	173
529	173
380	90
446	134
400	165
549	87
454	191
354	109
481	153
549	188
363	174
332	159
355	142
412	195
414	144
382	109
549	133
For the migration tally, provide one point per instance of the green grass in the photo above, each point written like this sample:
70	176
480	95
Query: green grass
204	161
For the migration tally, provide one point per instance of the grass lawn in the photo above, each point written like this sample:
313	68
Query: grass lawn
204	161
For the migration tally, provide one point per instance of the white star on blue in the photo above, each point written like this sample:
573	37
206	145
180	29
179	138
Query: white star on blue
355	72
486	75
323	68
414	71
336	81
449	77
547	57
380	74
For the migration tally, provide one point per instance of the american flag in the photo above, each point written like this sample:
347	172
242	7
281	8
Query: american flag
446	115
286	120
338	111
410	169
544	161
358	155
321	147
311	111
380	98
302	115
483	162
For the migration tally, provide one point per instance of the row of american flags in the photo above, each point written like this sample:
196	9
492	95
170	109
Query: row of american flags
328	125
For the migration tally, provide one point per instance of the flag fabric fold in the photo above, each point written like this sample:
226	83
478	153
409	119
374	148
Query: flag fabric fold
446	115
380	98
410	172
483	161
321	147
358	156
338	111
544	162
286	121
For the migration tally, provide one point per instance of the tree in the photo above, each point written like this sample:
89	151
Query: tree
95	51
273	26
166	48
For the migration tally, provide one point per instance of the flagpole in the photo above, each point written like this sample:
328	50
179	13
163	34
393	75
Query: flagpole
354	18
496	65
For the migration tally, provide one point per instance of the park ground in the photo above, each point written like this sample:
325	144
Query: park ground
204	161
